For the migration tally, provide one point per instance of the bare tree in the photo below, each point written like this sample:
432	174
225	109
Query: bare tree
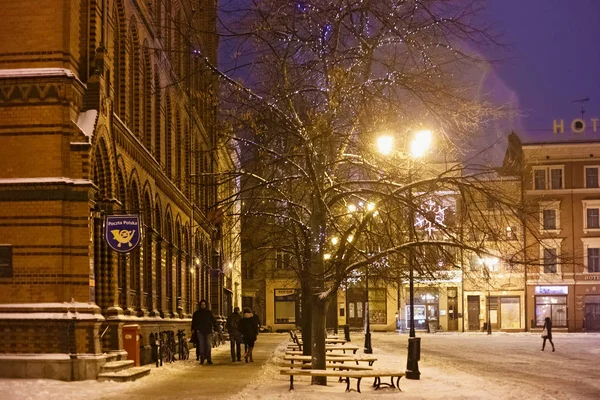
307	88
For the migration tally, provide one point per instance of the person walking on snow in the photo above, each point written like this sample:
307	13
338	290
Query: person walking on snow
203	323
548	334
233	325
249	329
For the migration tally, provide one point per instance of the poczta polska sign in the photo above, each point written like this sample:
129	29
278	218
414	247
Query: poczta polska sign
122	232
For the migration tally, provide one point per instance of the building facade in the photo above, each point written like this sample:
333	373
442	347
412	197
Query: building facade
107	108
560	183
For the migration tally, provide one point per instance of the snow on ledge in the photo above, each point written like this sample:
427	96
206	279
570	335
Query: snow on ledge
38	72
87	122
9	181
48	356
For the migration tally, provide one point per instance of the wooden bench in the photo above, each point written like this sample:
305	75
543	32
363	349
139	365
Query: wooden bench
346	375
329	347
333	359
339	366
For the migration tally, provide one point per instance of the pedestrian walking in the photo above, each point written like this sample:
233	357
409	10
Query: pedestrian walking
547	333
233	325
249	330
203	323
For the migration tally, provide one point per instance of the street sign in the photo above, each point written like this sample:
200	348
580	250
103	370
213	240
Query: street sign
122	232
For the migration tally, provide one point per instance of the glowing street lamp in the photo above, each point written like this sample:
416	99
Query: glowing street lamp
418	147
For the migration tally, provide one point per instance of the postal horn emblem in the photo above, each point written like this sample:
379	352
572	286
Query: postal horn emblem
123	236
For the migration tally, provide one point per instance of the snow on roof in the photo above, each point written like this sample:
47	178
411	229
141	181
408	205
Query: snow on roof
13	181
87	122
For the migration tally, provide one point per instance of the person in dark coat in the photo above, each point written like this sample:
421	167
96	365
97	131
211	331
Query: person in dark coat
234	322
203	323
249	330
548	335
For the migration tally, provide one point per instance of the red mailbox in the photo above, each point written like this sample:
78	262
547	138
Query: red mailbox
131	343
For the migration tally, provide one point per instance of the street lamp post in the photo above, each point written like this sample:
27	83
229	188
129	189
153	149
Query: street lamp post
368	349
414	343
418	147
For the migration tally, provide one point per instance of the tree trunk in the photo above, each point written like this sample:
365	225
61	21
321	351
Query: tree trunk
307	313
319	317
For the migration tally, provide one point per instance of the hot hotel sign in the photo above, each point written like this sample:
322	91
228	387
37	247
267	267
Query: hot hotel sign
577	125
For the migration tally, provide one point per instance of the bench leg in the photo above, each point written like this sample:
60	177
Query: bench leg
357	384
291	382
398	383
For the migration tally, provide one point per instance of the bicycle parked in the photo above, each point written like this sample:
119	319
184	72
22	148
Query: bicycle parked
167	346
183	350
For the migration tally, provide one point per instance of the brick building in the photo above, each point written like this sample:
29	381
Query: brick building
107	108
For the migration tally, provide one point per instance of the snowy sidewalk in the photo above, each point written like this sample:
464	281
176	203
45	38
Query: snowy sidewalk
501	366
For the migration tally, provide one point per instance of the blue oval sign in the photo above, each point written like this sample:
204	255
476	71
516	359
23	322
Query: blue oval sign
122	232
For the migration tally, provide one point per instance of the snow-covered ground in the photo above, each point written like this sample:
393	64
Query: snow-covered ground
453	366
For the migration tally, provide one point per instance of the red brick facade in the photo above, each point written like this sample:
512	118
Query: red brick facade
105	109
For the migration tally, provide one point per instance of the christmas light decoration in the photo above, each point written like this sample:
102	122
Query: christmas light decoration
431	216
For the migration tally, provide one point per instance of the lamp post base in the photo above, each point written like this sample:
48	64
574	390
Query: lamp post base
413	357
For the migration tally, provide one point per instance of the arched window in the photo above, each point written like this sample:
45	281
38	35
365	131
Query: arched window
156	148
178	159
120	57
134	55
168	138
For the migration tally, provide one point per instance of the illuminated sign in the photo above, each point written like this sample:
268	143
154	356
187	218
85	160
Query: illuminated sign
551	290
578	125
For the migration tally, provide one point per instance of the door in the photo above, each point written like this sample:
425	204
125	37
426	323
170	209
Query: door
473	312
356	303
592	317
452	314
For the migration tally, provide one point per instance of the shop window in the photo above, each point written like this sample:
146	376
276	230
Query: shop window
285	306
510	313
554	307
377	306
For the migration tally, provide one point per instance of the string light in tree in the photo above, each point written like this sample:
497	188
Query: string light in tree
431	217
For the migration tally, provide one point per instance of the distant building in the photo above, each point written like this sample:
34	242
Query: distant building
107	108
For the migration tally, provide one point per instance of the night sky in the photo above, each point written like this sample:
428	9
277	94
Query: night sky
552	59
